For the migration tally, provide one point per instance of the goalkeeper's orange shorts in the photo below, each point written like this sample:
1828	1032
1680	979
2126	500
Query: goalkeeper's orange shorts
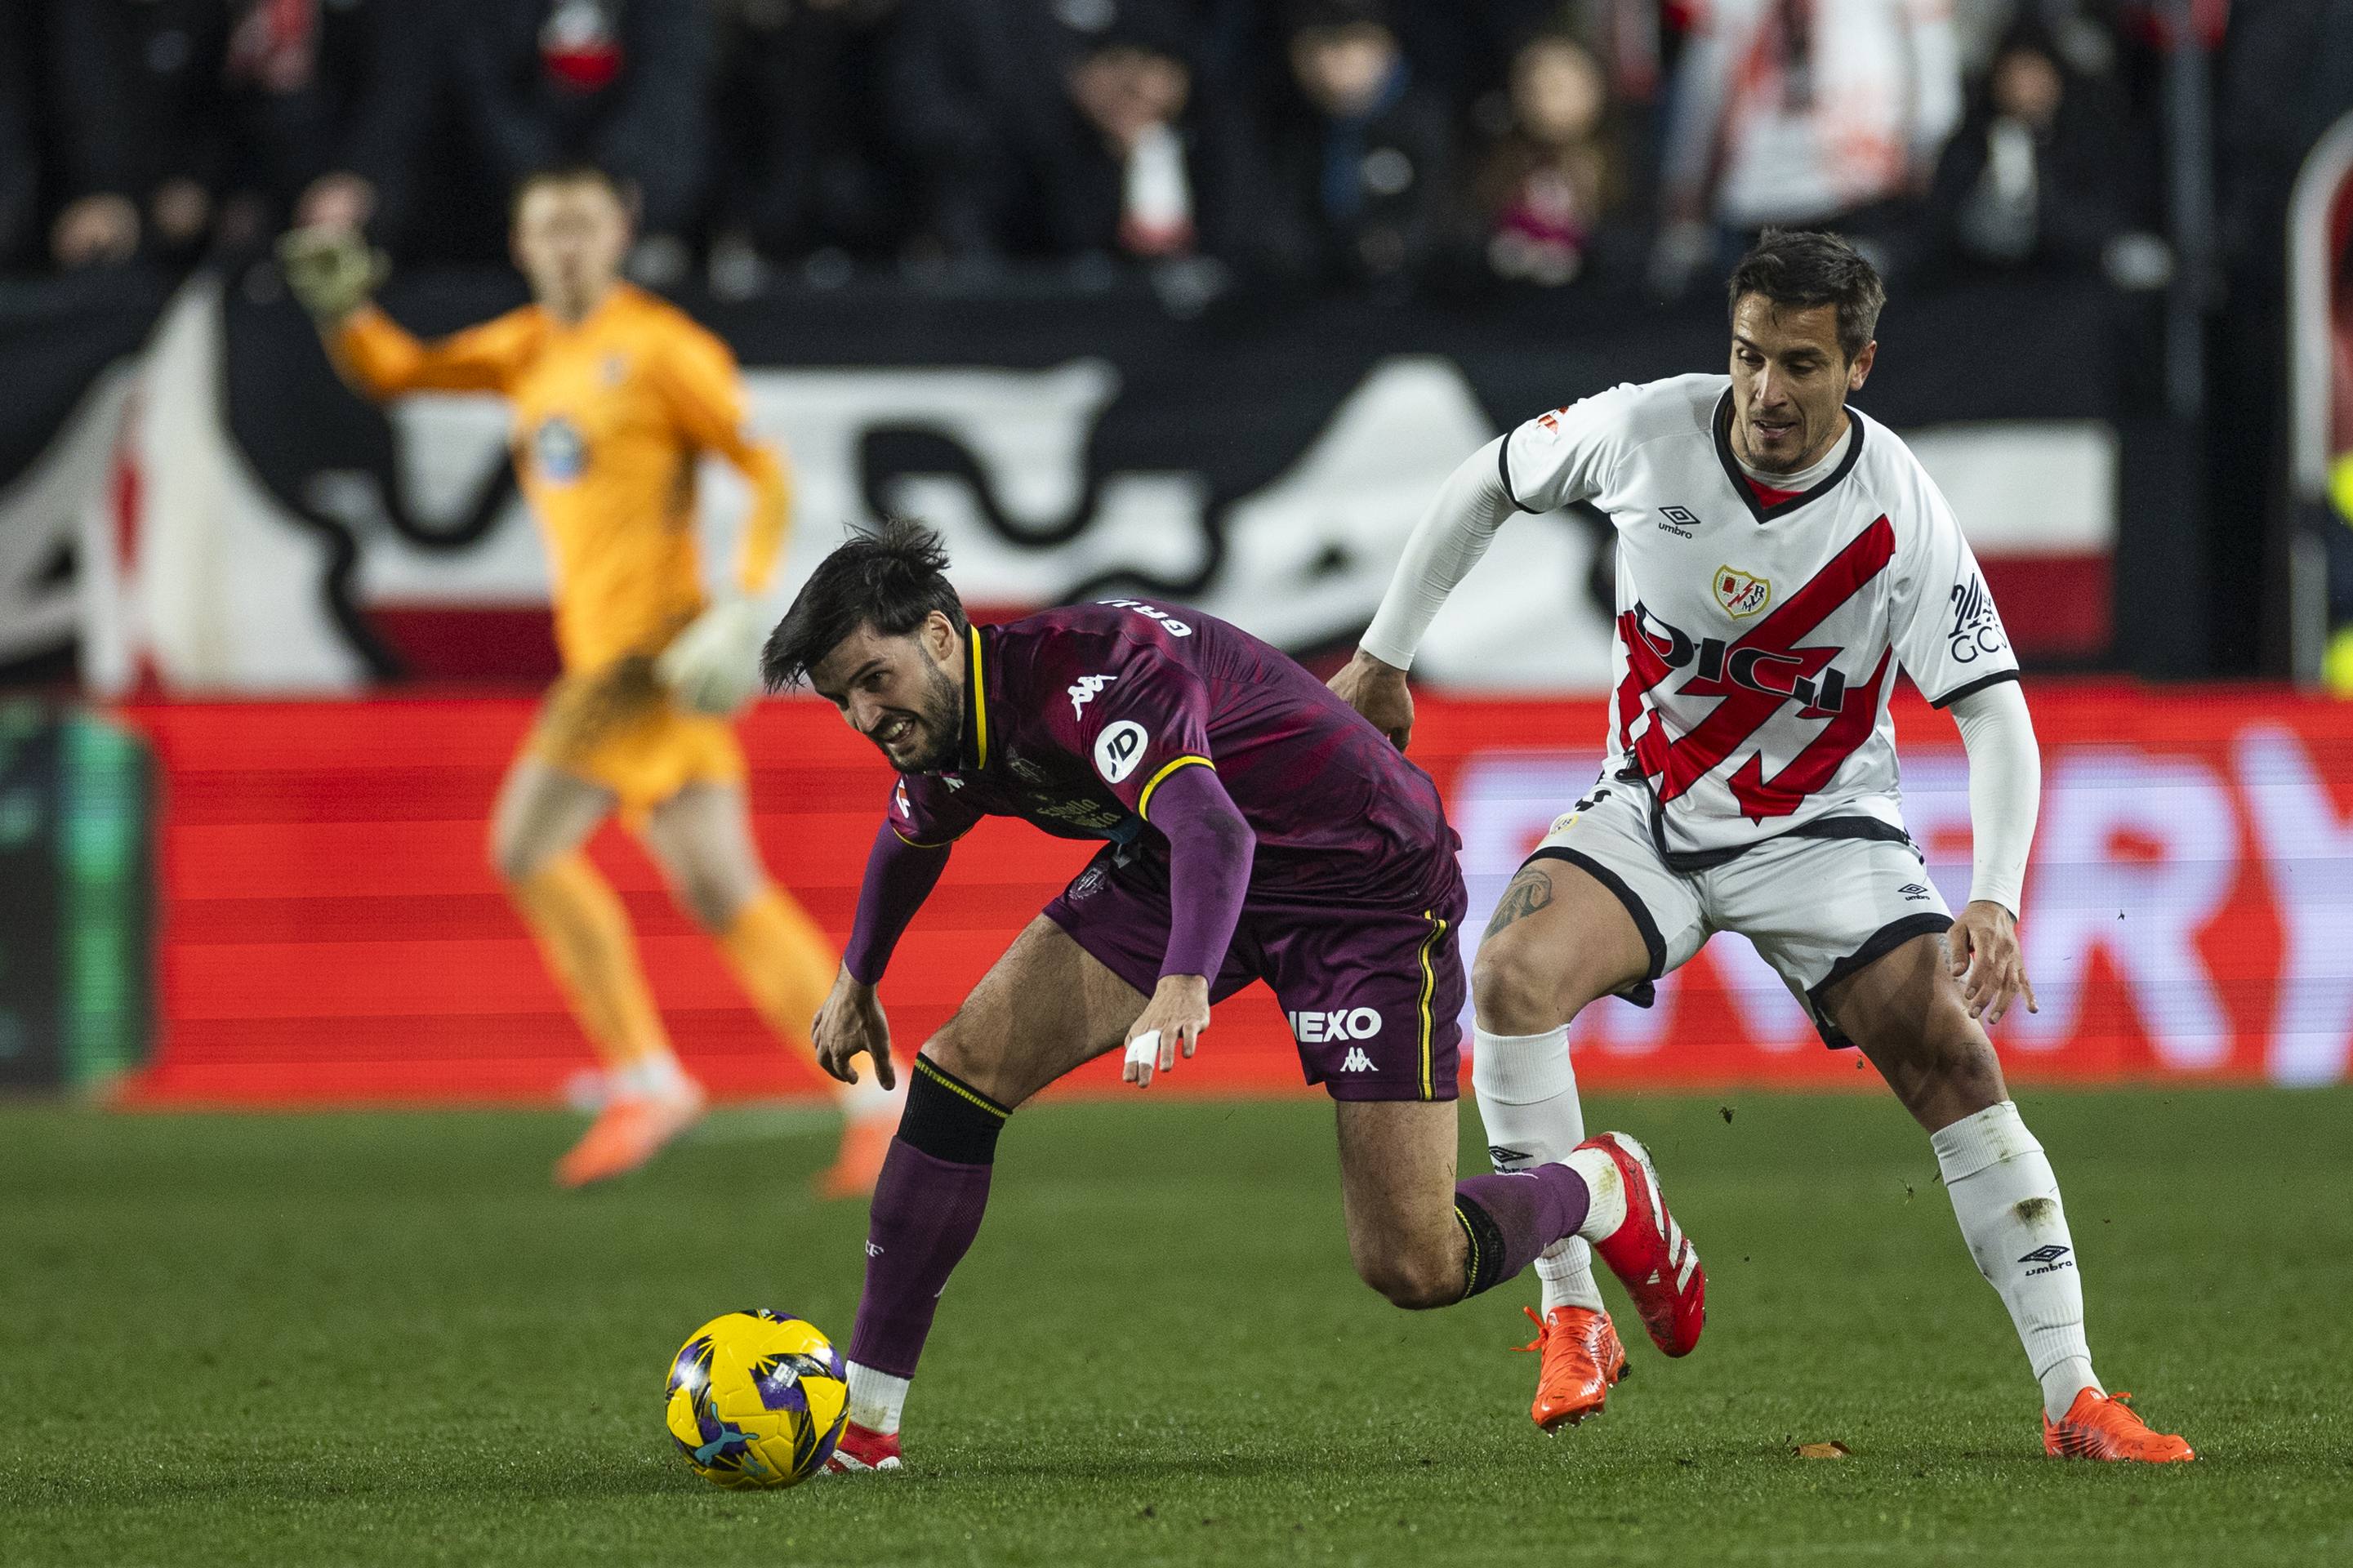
619	727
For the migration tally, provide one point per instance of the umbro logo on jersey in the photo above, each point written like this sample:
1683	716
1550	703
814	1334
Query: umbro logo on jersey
1084	691
1741	594
1678	520
1356	1060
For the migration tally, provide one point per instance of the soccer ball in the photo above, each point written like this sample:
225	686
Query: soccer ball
756	1399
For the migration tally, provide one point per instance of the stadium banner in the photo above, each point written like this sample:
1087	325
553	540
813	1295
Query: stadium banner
332	932
277	534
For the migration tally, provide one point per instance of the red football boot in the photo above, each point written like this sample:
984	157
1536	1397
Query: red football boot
1649	1253
862	1448
1581	1358
2103	1426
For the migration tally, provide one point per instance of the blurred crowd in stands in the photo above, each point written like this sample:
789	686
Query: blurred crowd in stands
1381	144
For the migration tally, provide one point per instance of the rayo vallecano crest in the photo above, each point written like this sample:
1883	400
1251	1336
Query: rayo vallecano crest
1739	592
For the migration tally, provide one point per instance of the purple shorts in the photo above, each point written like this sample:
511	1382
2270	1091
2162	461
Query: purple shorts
1374	995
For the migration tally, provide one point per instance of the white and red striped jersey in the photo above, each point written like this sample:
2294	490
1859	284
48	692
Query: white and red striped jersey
1758	634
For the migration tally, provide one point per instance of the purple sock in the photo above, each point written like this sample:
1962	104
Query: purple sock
926	1211
1512	1216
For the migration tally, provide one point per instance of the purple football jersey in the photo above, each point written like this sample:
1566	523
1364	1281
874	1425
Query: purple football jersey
1074	717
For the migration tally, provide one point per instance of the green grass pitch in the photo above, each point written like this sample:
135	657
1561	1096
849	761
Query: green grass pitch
384	1338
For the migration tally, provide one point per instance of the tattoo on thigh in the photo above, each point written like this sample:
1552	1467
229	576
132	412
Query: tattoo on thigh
1530	891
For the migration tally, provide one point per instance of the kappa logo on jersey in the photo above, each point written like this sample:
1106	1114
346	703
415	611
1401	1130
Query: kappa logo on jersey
1765	668
1977	628
1312	1027
1119	749
1176	628
1741	594
1086	690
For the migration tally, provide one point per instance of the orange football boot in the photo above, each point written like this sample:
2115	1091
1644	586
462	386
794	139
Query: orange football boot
626	1134
1582	1357
865	1140
2103	1426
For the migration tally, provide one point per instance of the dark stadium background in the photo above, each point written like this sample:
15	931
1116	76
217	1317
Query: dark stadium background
270	645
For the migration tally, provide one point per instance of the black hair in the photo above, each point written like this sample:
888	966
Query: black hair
1796	269
891	576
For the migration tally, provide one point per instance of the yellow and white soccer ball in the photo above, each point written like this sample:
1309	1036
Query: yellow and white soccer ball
756	1399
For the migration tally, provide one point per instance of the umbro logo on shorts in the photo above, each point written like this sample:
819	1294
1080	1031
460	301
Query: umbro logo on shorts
1915	892
1356	1060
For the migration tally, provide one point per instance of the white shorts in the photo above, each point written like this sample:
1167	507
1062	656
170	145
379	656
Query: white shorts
1817	908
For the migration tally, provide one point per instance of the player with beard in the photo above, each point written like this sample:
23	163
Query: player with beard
1778	554
1253	829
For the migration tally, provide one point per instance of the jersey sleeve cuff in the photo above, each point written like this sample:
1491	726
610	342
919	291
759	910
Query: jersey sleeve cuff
1504	473
1980	684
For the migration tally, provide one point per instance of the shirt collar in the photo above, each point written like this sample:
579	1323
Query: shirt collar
972	753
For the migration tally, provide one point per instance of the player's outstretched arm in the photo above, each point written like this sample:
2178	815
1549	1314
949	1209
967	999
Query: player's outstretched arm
714	666
1444	545
900	875
2005	794
1209	848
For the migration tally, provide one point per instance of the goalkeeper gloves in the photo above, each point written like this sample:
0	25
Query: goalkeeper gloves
714	666
331	270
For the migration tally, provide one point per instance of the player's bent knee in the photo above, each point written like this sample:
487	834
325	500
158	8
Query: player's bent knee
1523	987
511	860
711	902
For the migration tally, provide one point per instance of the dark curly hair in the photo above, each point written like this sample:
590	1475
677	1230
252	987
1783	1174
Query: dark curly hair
891	576
1799	270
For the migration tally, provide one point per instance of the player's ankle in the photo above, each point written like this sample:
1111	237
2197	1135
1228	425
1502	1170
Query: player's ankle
876	1399
656	1075
1605	1208
2062	1382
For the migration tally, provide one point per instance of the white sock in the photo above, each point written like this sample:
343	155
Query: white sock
876	1399
1527	1101
1606	1209
2007	1200
655	1076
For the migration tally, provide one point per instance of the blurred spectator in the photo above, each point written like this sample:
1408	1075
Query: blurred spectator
134	99
804	160
1364	158
1814	114
19	165
1545	183
618	83
1067	129
331	99
2043	174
